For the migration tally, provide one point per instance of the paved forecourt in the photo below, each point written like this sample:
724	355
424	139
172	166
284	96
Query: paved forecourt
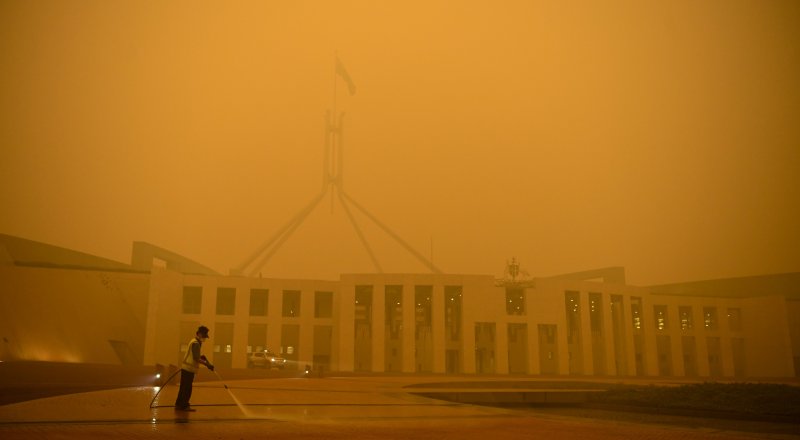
297	408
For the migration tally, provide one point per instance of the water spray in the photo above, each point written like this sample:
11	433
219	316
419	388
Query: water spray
210	367
235	400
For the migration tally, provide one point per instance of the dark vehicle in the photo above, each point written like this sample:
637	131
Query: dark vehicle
265	359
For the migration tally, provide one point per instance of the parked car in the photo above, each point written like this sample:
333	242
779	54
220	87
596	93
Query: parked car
265	359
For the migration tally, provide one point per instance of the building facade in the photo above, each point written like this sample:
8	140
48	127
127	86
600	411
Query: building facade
60	305
422	323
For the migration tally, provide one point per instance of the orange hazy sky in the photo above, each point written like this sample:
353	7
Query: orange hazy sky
663	136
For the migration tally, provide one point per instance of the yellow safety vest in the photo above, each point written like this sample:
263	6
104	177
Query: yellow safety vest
190	363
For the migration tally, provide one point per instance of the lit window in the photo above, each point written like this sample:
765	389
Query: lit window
661	317
686	317
515	301
636	312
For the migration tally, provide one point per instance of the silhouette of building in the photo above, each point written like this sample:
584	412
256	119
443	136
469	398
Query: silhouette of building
62	305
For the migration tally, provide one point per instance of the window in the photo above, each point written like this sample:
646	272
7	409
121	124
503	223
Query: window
192	298
291	303
595	312
636	312
685	313
572	301
452	312
363	306
660	313
256	337
259	302
515	301
393	311
323	304
710	318
735	319
226	300
422	308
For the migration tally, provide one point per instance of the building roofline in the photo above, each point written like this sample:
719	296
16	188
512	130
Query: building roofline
143	254
23	252
783	284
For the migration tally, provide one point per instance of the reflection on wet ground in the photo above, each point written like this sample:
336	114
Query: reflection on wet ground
336	407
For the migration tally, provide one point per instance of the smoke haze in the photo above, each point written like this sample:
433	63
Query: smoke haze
659	136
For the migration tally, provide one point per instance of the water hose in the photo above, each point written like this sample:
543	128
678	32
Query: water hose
163	386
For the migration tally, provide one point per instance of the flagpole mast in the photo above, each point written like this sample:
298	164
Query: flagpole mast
335	57
331	124
333	180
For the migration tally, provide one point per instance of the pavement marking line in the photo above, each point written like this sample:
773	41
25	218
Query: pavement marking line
132	422
326	404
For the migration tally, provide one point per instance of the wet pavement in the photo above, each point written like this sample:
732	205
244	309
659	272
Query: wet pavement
331	407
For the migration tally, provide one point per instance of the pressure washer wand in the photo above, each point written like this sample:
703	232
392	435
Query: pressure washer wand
220	378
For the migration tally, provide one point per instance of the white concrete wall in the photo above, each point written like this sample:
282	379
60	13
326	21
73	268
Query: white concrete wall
767	339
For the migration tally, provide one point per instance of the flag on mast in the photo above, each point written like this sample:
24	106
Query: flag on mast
341	71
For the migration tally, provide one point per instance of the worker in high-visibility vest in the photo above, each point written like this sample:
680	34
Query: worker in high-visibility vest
189	366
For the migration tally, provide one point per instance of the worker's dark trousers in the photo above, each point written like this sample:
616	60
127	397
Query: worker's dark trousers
185	391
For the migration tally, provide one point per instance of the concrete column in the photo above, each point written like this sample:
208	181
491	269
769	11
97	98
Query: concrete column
703	368
241	318
674	330
649	329
306	355
208	315
275	320
501	347
700	332
561	337
467	343
409	329
344	328
608	334
534	365
586	334
726	349
439	346
379	328
627	324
